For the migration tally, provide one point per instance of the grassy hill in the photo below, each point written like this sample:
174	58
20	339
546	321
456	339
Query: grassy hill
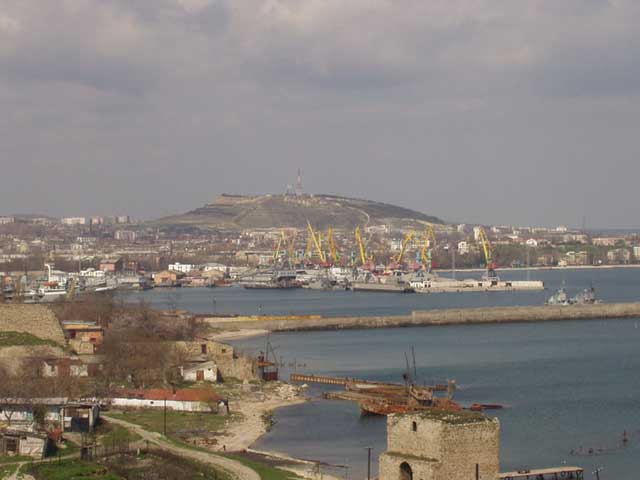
275	211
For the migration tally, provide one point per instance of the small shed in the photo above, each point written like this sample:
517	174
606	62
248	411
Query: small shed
200	372
23	443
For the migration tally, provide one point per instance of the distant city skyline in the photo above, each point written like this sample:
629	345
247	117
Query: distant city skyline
480	112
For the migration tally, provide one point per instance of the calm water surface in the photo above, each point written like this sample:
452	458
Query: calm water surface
566	385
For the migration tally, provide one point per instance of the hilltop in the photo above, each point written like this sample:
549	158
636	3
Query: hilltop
275	211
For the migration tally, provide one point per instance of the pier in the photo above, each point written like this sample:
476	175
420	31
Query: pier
426	318
556	473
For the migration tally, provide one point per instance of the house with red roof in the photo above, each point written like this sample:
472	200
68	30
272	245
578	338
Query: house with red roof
183	400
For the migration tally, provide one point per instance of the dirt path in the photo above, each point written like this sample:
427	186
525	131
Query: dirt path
236	468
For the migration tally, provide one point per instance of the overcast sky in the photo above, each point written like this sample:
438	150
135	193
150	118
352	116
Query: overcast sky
494	111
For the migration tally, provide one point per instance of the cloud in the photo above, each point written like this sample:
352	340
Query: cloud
244	90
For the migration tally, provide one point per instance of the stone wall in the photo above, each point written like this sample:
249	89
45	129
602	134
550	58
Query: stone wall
38	320
437	449
534	313
228	362
13	358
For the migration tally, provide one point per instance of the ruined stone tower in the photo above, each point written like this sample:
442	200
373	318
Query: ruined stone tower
436	445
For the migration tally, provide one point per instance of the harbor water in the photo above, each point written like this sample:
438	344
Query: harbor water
568	387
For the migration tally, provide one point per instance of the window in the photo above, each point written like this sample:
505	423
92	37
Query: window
203	348
414	426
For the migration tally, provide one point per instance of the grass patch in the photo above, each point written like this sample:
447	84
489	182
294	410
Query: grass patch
71	470
158	465
266	472
114	435
20	339
178	423
14	459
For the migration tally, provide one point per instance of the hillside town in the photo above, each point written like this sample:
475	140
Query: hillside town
40	256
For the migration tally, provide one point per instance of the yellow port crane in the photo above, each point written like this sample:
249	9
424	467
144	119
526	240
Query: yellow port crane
403	248
281	240
333	248
317	241
426	254
488	255
291	246
361	248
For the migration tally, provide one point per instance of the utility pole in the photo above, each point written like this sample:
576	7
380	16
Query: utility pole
453	262
165	416
368	463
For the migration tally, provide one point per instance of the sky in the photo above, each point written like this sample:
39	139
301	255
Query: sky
478	111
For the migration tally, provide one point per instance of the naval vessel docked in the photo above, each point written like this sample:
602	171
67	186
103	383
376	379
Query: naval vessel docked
271	279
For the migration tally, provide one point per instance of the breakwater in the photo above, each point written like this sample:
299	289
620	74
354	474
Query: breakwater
450	316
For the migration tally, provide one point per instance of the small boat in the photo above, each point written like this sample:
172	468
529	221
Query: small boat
480	407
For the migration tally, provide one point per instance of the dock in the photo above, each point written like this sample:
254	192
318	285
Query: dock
354	382
437	317
555	473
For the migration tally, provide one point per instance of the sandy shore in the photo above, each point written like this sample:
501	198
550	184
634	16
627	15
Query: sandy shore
237	334
243	433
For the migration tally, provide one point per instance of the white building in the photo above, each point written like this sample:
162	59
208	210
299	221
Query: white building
200	372
476	233
182	267
73	221
463	248
92	273
7	220
183	400
532	242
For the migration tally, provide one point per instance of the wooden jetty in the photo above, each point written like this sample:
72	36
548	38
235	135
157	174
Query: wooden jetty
554	473
344	381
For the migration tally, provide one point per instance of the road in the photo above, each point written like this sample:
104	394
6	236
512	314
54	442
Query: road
236	468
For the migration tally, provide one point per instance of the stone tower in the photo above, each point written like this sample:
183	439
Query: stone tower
437	445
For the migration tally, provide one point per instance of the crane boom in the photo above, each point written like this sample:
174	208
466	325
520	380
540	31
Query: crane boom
426	254
488	253
361	249
276	253
403	248
317	241
333	248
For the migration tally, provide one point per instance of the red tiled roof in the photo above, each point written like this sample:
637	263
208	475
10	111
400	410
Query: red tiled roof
180	395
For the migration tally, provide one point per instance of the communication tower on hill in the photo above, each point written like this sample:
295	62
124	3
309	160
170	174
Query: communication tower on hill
299	184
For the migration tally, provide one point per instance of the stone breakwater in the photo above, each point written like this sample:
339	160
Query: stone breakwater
425	318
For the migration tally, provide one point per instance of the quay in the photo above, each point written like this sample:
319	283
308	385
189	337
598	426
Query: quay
436	317
354	382
559	473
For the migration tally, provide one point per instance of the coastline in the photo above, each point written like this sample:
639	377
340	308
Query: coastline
242	435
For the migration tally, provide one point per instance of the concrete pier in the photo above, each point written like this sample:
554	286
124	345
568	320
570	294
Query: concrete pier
457	316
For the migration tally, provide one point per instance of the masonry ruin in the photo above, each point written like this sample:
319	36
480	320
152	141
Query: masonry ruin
439	445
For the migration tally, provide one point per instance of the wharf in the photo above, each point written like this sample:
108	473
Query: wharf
354	382
425	318
557	473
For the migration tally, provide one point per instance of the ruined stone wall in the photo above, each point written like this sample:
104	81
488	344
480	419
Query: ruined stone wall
38	320
13	358
229	364
441	450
